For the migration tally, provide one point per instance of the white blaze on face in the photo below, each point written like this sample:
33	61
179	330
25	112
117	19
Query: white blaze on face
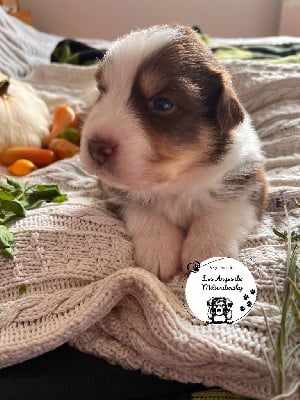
112	120
127	54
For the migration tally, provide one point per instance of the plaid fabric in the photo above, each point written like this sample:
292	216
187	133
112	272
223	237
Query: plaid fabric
283	53
72	52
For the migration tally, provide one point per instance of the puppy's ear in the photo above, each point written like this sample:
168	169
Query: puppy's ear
229	111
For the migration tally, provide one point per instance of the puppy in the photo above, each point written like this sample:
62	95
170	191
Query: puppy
172	142
219	310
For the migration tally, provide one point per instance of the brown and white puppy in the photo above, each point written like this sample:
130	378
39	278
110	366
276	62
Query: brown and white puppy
170	138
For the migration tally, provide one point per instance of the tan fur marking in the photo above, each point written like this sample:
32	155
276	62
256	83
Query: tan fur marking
151	83
170	161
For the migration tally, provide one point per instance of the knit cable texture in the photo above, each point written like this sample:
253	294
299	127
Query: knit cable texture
83	287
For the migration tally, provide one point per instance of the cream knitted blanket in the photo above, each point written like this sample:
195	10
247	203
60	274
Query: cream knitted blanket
76	260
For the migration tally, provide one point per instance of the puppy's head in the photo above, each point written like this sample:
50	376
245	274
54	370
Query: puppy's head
165	106
220	305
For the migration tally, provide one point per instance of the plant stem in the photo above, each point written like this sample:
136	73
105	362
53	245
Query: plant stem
283	334
289	243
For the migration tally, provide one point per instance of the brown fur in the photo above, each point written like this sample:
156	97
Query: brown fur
101	84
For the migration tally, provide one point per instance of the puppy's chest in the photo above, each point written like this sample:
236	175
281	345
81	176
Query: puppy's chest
177	210
181	209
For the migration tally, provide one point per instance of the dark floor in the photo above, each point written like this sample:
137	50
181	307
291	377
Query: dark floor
67	374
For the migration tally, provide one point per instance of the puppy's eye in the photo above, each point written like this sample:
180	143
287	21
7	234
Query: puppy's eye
162	104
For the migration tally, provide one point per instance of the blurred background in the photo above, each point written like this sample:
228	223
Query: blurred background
109	19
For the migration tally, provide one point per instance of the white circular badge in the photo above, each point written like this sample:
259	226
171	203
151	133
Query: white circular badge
220	290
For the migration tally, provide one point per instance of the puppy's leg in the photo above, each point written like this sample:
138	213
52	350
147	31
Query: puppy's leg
218	232
157	243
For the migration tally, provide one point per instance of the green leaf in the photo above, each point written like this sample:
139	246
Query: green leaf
295	290
7	252
294	350
4	195
6	239
15	206
32	205
296	313
271	337
279	234
44	186
71	134
60	199
5	187
289	323
15	198
48	193
269	367
45	195
14	182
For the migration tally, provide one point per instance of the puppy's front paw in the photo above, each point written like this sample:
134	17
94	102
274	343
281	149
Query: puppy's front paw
160	253
197	248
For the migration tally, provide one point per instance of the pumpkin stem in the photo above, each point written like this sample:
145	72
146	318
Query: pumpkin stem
4	87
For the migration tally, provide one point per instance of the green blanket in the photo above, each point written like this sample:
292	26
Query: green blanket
279	53
73	52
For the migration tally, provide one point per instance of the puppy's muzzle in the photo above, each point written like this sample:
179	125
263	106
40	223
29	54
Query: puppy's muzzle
101	151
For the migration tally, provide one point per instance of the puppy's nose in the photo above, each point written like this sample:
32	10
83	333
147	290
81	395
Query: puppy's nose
100	150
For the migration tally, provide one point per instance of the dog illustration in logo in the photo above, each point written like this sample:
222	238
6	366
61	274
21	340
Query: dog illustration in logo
219	310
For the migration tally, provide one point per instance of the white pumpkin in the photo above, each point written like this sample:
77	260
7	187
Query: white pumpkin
24	116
